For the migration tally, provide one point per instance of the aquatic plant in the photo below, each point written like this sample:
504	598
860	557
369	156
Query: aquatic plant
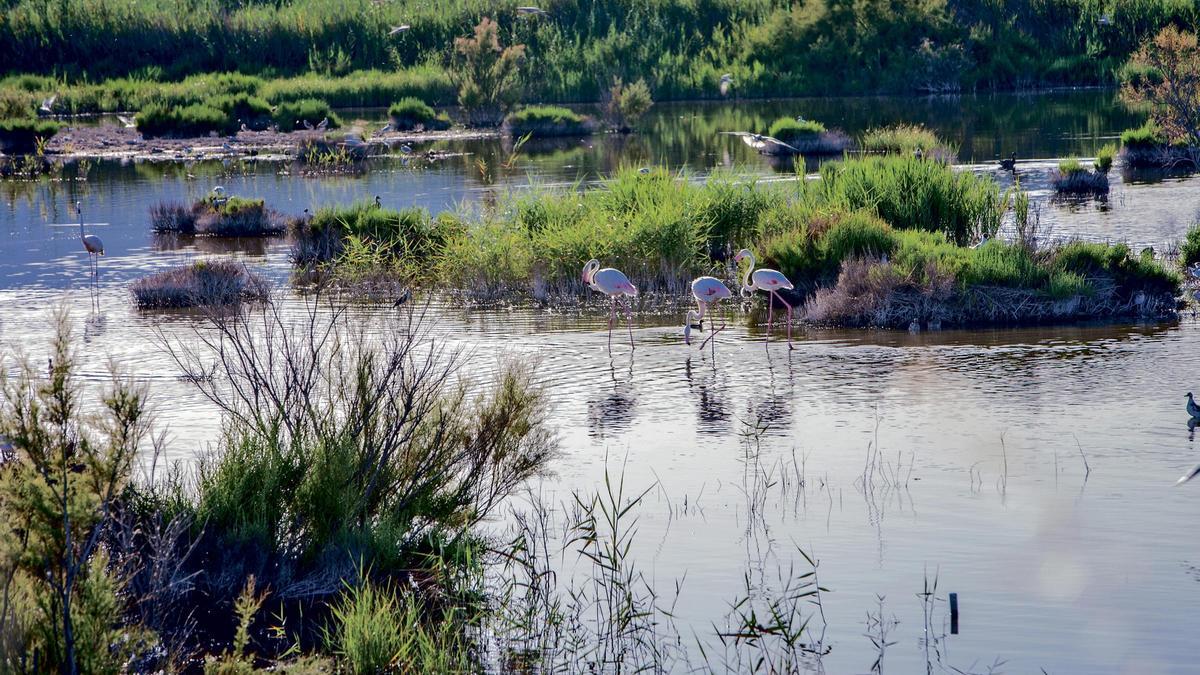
411	112
243	108
809	136
204	283
625	104
217	217
901	138
1071	177
1104	157
1189	249
547	121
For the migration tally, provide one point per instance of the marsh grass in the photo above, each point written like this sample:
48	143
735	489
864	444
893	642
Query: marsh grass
292	115
412	113
25	136
210	216
204	283
547	122
1071	177
809	136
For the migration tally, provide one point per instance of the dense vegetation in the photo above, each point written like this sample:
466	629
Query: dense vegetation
663	230
573	52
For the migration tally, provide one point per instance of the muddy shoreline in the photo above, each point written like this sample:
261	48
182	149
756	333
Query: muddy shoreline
123	143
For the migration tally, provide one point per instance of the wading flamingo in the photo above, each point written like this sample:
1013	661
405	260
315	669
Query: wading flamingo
770	281
91	244
612	283
708	290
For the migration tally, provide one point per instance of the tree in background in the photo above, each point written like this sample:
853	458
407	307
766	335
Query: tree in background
487	74
1167	76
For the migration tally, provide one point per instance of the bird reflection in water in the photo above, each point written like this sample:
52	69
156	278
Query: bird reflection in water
712	407
94	326
612	409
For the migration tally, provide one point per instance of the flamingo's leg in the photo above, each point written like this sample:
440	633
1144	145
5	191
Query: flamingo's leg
629	320
612	316
770	313
789	320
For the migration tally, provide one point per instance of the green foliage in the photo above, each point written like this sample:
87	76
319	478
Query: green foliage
909	193
376	630
487	75
410	111
188	121
788	130
1104	157
813	251
1189	250
1070	166
546	120
243	108
63	607
625	104
292	115
23	136
1146	136
900	138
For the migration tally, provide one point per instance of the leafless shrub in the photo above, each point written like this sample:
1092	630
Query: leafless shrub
206	283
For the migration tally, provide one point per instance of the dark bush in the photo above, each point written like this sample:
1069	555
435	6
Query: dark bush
291	115
22	136
410	113
205	283
546	121
184	122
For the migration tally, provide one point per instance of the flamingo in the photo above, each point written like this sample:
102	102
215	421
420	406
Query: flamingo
91	244
612	283
708	290
692	317
771	281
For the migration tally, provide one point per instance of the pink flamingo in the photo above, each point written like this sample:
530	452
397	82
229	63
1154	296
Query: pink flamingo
91	244
707	290
612	283
771	281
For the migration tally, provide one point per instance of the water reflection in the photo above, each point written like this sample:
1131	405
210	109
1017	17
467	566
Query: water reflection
710	390
611	409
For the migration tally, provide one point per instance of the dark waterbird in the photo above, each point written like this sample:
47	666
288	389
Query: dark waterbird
1192	408
1009	164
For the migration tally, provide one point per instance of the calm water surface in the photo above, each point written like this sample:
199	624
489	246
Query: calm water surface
986	432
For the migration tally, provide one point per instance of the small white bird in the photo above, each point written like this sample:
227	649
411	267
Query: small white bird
323	123
982	240
386	128
767	145
613	283
308	125
47	107
768	280
644	170
396	30
726	82
405	149
129	122
530	11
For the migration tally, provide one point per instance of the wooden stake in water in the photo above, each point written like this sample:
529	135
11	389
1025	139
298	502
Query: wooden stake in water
954	613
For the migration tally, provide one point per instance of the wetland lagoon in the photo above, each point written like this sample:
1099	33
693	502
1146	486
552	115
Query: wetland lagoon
812	510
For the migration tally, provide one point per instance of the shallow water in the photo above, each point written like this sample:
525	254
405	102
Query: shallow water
982	436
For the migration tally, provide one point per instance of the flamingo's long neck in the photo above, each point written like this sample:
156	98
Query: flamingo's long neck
749	269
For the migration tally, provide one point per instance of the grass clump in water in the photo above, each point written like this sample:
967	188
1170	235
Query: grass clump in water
1189	249
900	138
413	113
809	136
547	121
217	217
1071	177
204	283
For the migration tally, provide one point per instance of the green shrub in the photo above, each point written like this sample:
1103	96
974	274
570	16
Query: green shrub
185	122
788	129
243	108
409	112
23	136
624	104
1104	157
547	120
1063	285
487	75
857	235
291	115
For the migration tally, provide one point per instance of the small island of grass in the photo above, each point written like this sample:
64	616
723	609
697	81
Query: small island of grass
204	283
1073	178
216	216
413	114
25	136
809	136
546	121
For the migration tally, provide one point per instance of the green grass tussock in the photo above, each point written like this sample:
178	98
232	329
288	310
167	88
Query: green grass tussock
547	121
244	108
1189	249
410	113
1104	158
900	139
1072	177
217	217
809	136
